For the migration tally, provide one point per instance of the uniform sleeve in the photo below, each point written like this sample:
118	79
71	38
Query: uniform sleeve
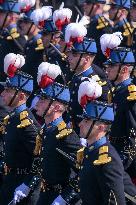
29	140
70	145
110	179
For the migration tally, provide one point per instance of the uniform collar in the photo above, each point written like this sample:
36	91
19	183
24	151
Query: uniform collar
121	23
20	108
97	144
87	72
124	83
55	122
96	17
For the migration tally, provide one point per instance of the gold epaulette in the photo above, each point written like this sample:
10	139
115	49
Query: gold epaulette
24	120
40	45
128	29
102	23
103	156
13	34
80	157
63	131
132	92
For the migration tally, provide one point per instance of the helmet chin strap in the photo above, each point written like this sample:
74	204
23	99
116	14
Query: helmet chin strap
51	101
29	29
90	129
115	16
46	110
90	12
81	55
4	21
121	63
13	98
94	121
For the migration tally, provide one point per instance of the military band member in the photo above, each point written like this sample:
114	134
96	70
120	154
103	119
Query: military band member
22	137
81	56
123	131
98	25
101	178
119	13
10	39
53	101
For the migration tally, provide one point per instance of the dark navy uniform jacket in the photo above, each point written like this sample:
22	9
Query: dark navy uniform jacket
20	142
32	60
101	176
123	130
56	167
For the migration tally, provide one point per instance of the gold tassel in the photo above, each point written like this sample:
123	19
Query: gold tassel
38	145
80	157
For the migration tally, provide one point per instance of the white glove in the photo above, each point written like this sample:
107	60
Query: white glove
21	192
59	201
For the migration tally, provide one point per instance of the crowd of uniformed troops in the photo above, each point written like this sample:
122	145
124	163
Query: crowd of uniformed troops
68	103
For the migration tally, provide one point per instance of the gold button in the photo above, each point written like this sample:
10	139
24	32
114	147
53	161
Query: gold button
78	190
78	178
86	156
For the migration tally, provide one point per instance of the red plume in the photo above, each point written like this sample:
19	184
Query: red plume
11	70
45	81
85	99
41	24
60	23
25	9
73	40
107	52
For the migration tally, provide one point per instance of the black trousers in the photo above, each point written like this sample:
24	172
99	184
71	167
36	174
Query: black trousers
10	183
